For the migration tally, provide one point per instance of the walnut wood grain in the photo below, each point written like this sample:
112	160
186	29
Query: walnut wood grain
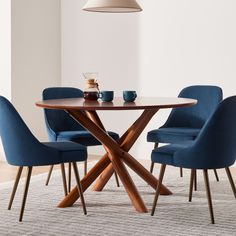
114	153
116	104
126	142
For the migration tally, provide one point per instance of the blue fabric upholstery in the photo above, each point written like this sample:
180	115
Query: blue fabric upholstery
23	149
83	137
185	123
213	148
164	154
172	135
69	151
58	120
60	126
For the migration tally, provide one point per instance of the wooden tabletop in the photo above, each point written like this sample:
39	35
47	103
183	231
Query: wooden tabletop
117	104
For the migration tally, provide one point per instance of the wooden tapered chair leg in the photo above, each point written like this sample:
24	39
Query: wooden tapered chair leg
49	175
191	185
27	182
69	177
181	171
161	175
152	163
152	167
231	180
216	175
117	179
63	175
18	175
208	192
80	190
195	180
85	167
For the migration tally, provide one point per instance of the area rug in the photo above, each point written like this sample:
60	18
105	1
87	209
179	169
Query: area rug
110	211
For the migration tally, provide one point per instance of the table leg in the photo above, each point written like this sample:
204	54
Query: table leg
144	173
109	171
115	153
103	178
137	167
126	141
128	183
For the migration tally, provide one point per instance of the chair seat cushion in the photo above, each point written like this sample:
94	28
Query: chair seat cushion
165	154
172	134
83	137
69	151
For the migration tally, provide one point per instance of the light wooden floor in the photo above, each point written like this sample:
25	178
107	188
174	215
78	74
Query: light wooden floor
8	173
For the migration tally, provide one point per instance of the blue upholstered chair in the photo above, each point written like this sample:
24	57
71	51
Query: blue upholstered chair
22	149
61	127
184	124
213	148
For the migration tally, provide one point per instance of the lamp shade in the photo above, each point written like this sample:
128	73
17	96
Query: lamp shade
112	6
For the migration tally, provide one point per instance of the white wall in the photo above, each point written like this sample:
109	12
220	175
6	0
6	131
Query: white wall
36	56
186	42
5	53
5	48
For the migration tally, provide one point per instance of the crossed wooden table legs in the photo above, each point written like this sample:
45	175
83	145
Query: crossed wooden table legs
117	154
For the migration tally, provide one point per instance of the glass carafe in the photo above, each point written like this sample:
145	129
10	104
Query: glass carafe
91	91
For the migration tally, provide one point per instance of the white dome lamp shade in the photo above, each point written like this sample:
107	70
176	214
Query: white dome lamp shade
112	6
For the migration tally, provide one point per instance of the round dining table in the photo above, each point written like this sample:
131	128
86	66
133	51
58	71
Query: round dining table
117	154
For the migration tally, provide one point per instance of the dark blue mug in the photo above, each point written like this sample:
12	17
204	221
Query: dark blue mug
107	96
129	96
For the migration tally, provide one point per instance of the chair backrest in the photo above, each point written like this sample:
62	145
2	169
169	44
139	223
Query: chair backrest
195	116
215	146
20	146
58	120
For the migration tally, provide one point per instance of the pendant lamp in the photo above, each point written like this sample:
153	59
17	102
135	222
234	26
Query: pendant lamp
112	6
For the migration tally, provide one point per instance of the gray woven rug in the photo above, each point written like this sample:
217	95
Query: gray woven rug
110	211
